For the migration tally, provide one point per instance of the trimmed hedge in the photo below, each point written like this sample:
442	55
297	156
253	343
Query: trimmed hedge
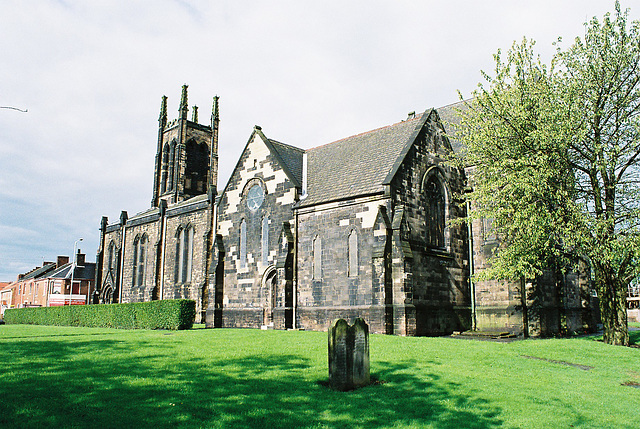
162	314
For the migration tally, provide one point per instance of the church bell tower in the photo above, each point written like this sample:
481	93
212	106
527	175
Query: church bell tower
186	163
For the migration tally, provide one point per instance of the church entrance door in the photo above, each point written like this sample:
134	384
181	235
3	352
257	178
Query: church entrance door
270	280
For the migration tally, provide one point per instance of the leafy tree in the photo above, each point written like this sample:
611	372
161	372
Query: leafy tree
555	154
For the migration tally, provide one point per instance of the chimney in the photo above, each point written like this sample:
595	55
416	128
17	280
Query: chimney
80	259
62	260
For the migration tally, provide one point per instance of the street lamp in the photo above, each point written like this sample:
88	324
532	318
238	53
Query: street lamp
73	270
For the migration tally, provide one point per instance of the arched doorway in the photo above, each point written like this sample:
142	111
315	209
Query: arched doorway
107	295
269	282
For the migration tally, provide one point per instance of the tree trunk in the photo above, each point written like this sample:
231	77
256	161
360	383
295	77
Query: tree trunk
613	306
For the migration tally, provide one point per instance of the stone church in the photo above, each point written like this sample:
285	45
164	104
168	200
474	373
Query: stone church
296	238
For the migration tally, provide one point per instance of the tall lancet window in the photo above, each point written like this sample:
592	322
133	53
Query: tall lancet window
171	166
265	240
243	244
165	168
139	247
111	256
184	254
317	258
352	254
197	165
435	212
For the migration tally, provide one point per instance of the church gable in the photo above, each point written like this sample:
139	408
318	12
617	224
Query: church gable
275	164
253	210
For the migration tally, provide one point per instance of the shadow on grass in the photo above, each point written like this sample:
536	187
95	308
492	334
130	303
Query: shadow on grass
634	337
108	383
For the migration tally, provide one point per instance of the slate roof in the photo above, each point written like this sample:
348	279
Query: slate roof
450	115
38	272
291	157
358	165
81	272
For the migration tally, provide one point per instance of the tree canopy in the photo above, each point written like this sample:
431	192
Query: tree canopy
554	151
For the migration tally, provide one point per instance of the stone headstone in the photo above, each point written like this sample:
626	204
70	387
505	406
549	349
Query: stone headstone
361	376
348	355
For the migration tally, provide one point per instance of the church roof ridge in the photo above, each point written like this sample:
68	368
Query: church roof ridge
286	145
362	162
404	121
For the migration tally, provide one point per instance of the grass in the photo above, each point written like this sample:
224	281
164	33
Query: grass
89	377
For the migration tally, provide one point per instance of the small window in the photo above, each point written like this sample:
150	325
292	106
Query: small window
352	257
488	231
317	258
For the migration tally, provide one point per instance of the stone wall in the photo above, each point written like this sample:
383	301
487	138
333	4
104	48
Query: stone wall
552	303
338	292
136	228
194	214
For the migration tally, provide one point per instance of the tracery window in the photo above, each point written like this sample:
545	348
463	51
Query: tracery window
352	254
435	212
317	258
139	247
184	254
243	244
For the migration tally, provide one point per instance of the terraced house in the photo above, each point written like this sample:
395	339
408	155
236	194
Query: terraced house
360	227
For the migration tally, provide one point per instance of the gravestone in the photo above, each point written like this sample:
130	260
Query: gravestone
348	355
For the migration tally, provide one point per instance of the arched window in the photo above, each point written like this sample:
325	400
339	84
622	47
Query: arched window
352	254
184	254
488	231
172	157
243	244
435	212
111	256
197	165
139	247
165	168
265	240
317	258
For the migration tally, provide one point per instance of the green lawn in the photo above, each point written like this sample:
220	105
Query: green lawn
85	377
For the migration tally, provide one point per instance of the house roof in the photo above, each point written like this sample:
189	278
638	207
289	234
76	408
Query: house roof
358	165
39	272
81	272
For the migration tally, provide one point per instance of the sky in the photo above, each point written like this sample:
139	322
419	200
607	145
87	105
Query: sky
91	76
